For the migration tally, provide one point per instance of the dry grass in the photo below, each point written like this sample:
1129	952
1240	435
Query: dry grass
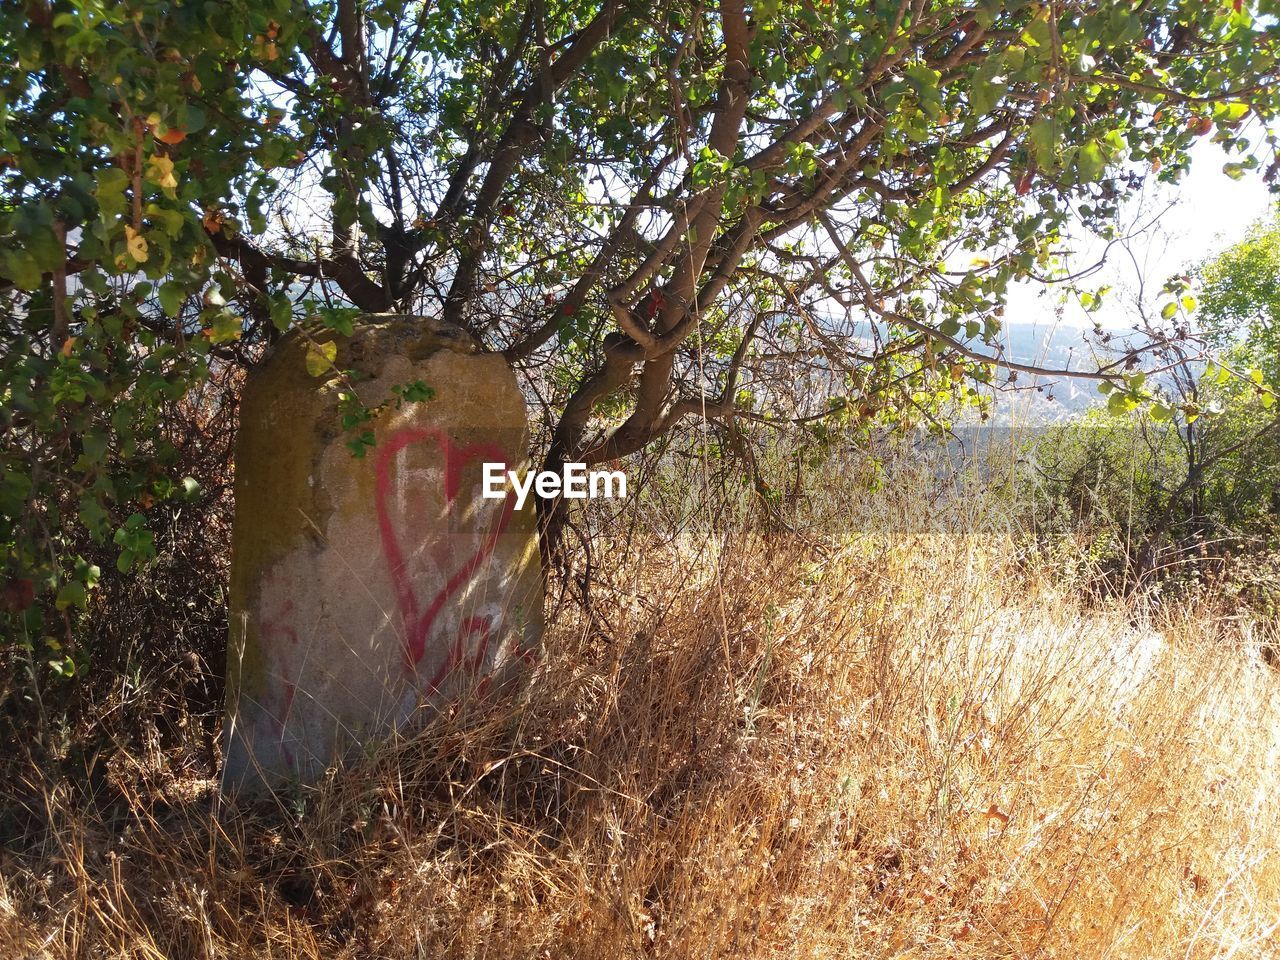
915	750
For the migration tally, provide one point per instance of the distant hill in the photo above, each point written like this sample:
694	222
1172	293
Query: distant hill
1055	346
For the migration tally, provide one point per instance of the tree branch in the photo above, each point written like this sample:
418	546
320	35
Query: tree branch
522	131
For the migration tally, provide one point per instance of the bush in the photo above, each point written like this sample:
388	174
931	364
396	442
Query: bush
160	610
1169	501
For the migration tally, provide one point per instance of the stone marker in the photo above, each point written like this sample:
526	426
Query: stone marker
363	587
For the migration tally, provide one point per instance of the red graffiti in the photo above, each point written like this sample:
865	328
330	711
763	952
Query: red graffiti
485	625
418	622
278	622
277	700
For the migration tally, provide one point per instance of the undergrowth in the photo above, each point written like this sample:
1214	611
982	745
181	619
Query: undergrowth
921	746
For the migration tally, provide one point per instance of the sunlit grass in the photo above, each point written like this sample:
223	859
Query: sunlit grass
917	747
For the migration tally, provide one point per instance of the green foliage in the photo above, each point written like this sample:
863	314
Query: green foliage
1197	470
415	392
120	126
180	183
1240	298
1164	494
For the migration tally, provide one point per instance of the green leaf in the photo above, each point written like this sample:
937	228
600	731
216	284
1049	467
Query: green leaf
171	221
93	517
225	327
43	246
281	312
983	95
1227	113
94	444
193	118
1090	162
87	573
172	294
20	267
1119	403
71	594
339	319
1037	32
1043	140
111	184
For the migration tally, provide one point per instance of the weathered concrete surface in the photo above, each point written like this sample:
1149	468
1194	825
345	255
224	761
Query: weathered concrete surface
364	587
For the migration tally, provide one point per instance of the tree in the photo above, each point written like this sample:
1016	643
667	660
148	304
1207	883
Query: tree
646	204
1190	484
1240	298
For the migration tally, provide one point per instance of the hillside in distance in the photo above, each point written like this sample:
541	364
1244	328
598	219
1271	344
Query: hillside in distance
1056	346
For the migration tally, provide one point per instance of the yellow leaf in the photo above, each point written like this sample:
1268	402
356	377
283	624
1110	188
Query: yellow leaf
136	244
320	357
264	48
160	172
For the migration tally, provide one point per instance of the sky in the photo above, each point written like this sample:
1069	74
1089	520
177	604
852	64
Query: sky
1204	213
1210	211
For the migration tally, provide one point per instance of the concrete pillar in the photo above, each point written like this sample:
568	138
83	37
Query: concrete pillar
364	587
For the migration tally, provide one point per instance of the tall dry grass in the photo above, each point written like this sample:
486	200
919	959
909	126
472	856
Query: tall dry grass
751	749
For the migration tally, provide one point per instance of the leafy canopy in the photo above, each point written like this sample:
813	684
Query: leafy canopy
1240	297
805	211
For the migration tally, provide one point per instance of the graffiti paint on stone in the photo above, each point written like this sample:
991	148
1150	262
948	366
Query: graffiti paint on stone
364	587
